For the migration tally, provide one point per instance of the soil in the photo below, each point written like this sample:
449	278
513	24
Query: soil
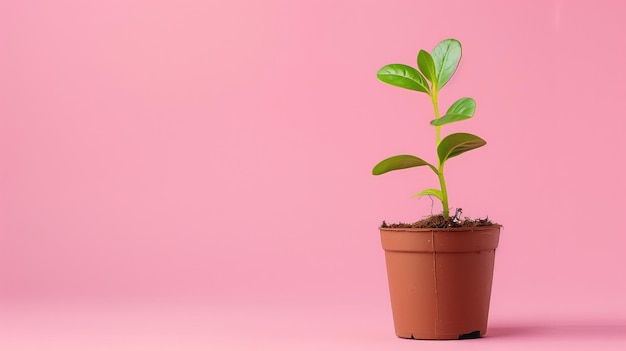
438	221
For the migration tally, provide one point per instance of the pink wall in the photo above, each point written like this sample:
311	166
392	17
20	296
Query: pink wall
166	149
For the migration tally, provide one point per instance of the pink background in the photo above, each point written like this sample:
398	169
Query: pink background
172	169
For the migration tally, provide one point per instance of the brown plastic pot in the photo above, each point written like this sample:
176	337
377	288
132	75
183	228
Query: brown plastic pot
440	280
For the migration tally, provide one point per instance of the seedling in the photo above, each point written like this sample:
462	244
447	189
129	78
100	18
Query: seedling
434	71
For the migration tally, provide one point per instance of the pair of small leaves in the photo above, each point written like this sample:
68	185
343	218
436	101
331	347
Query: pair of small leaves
434	192
451	146
437	68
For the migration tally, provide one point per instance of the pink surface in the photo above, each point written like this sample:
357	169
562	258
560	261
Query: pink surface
216	151
279	326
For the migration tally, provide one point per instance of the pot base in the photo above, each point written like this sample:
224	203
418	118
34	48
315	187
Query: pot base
473	335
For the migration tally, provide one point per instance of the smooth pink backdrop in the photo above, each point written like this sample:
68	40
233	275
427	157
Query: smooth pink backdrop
221	150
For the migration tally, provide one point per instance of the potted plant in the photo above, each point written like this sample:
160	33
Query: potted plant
440	268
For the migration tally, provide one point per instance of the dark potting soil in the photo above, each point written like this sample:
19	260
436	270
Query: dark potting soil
438	221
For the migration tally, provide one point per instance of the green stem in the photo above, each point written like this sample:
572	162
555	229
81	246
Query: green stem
442	181
433	97
444	192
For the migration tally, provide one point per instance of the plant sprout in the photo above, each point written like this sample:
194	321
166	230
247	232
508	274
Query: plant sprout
435	70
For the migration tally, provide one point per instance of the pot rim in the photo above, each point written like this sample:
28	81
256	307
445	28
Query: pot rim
449	229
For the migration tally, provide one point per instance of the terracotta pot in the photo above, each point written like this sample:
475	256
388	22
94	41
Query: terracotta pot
440	280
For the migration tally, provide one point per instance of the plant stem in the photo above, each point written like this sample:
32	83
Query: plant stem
436	107
444	192
442	181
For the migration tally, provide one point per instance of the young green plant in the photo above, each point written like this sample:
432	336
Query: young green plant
434	71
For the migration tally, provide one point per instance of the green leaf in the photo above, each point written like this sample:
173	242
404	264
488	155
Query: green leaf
426	65
463	106
456	144
403	76
434	192
448	118
462	109
400	162
446	56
